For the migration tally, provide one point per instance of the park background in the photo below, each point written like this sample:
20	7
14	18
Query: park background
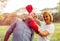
8	14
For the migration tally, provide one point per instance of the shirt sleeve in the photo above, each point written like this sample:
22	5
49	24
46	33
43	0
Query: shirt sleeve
12	27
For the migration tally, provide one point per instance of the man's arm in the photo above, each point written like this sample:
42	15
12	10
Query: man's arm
10	30
7	36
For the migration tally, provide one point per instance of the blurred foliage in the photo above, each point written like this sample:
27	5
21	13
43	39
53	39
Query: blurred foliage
56	17
8	18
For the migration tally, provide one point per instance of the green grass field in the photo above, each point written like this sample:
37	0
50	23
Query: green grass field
55	37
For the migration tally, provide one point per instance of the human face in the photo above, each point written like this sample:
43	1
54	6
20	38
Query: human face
34	15
47	18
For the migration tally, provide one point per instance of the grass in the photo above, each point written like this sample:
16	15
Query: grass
55	37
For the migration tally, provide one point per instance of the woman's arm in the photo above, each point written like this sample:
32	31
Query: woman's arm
32	24
35	27
43	33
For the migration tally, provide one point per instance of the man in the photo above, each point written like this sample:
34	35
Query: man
22	30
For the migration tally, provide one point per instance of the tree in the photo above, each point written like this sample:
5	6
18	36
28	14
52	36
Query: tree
58	7
3	4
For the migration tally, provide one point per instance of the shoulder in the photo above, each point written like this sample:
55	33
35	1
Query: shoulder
42	23
50	27
18	19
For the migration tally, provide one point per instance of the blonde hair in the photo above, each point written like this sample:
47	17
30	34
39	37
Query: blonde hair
51	17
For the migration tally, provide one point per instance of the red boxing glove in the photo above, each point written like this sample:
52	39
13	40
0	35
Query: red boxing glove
29	8
34	26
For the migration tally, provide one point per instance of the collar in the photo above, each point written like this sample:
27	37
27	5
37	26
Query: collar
19	19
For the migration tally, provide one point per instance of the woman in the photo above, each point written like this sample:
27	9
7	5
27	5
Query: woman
46	28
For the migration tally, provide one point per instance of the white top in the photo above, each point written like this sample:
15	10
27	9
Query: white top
49	28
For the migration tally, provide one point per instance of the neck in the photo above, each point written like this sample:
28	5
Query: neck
48	23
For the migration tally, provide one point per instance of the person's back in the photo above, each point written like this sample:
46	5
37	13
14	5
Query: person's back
22	32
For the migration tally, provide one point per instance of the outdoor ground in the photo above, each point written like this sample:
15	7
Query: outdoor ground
55	37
